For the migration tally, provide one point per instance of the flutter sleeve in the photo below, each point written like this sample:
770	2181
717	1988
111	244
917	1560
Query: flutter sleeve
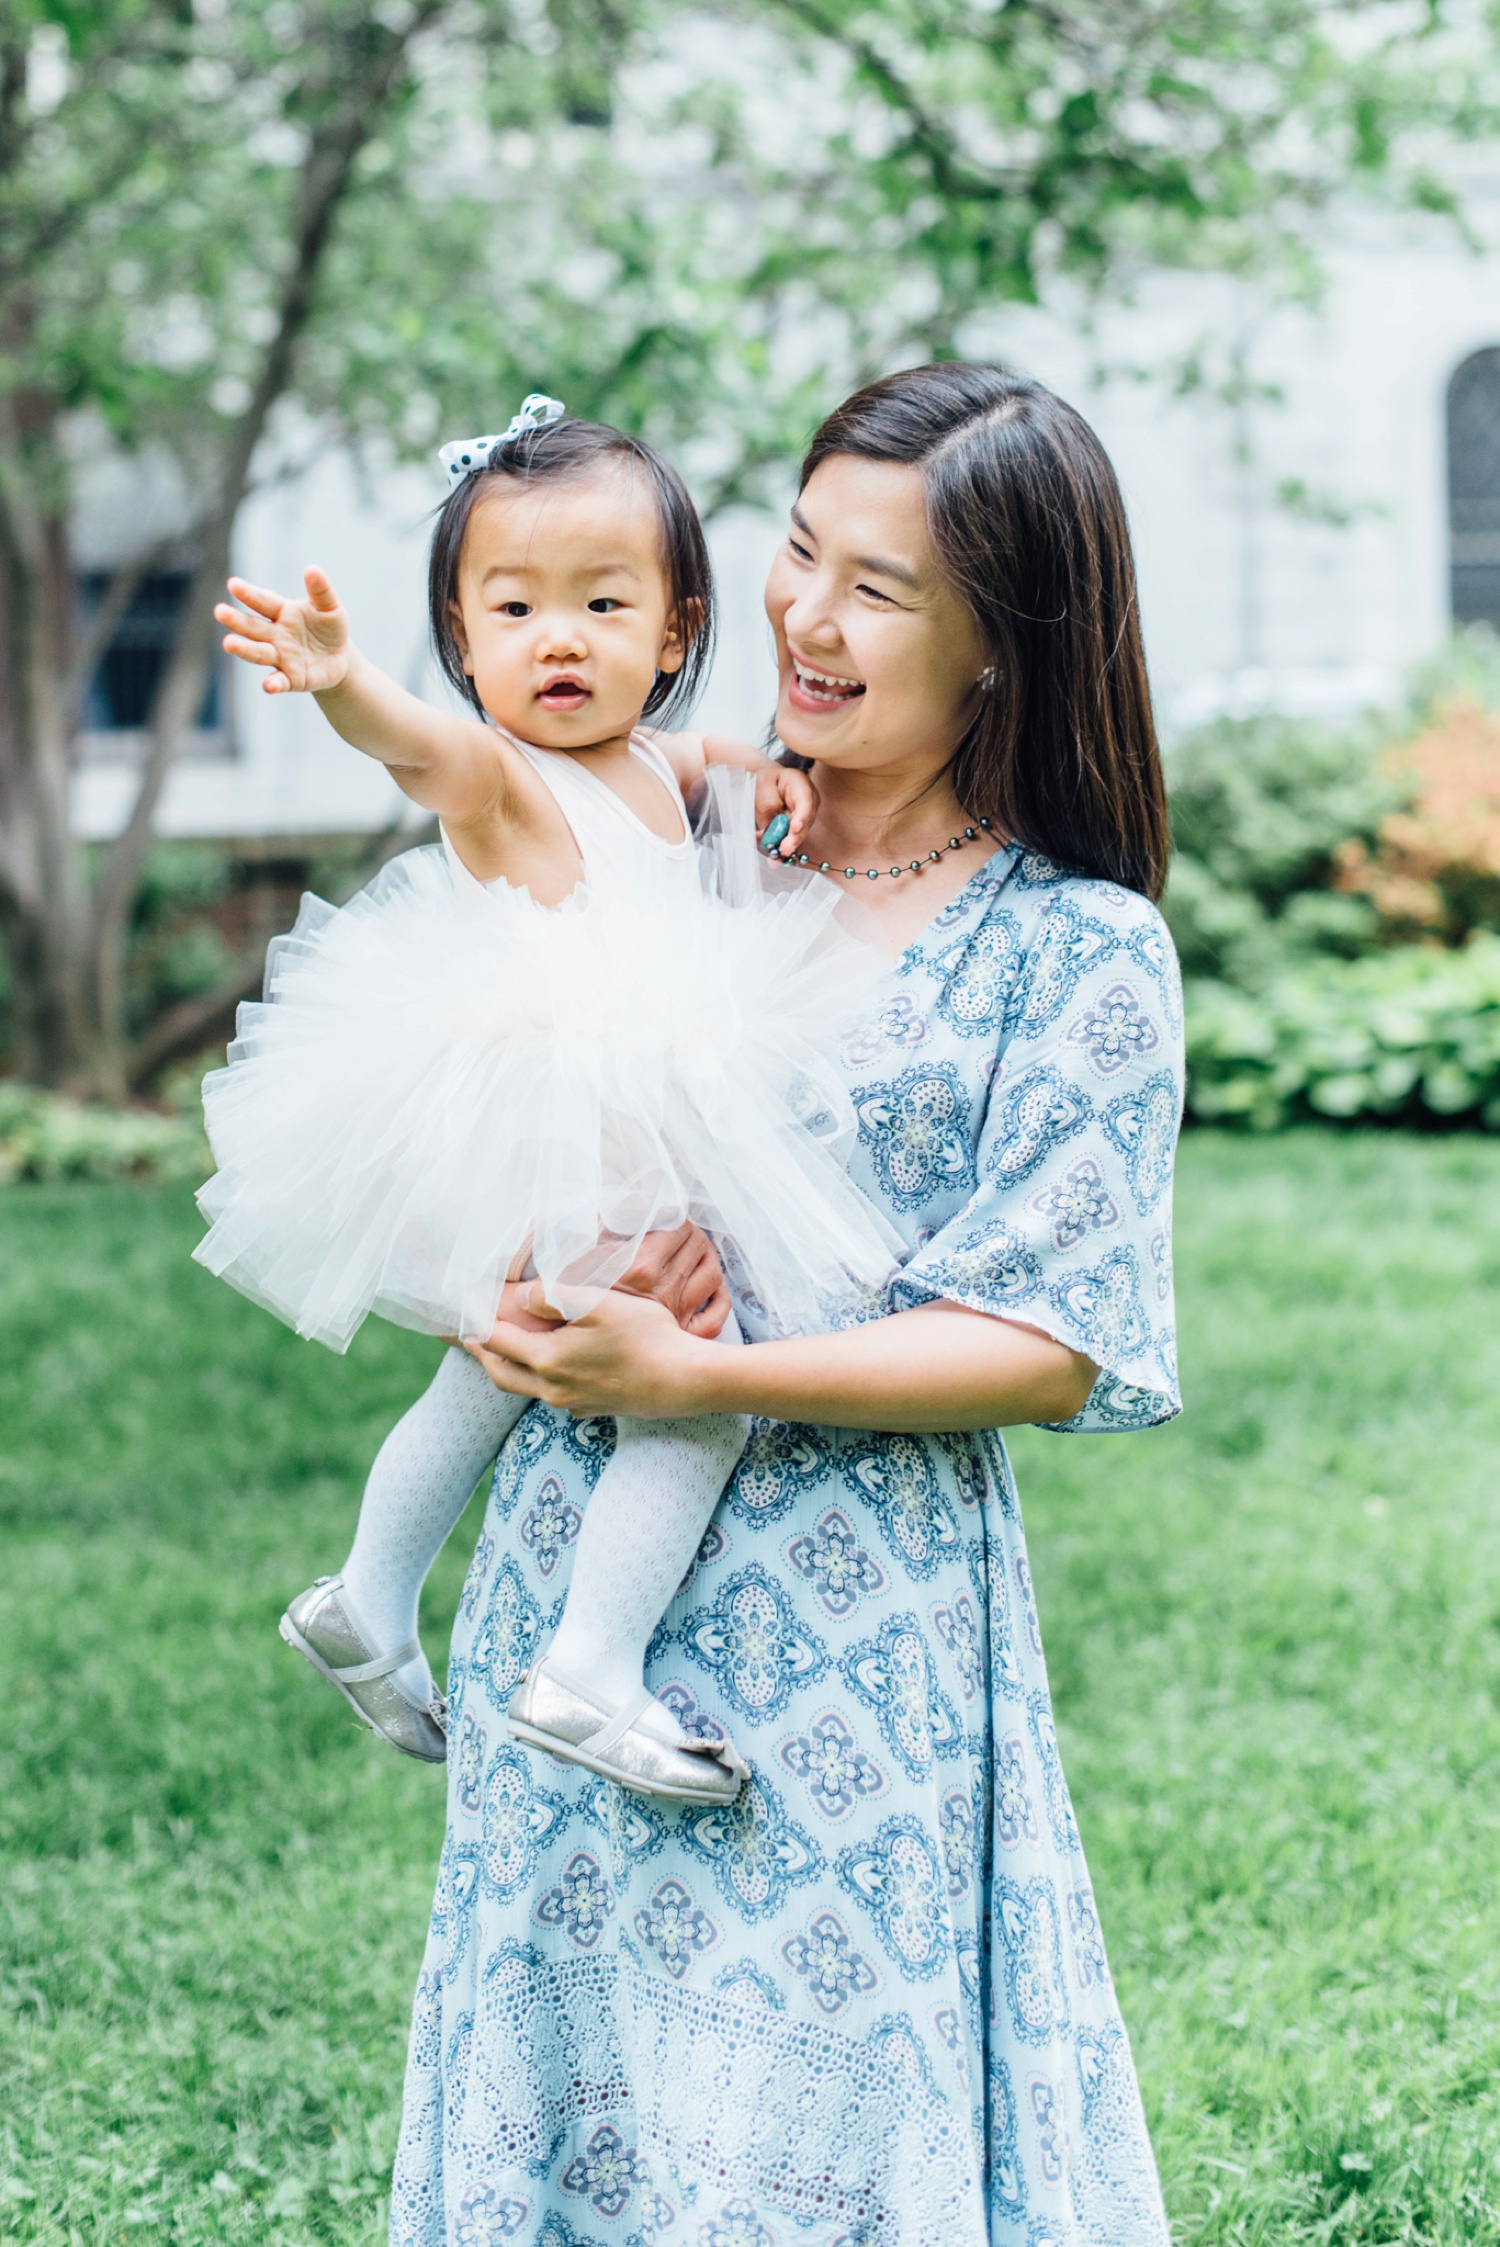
1070	1229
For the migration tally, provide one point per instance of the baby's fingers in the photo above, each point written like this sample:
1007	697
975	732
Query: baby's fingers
248	651
319	590
245	622
800	799
256	597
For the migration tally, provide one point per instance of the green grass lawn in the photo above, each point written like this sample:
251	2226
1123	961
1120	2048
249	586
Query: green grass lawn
1274	1631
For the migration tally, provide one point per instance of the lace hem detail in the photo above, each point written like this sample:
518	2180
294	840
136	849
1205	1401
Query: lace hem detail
726	2096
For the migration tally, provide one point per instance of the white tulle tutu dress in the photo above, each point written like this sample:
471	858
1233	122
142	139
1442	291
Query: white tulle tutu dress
448	1084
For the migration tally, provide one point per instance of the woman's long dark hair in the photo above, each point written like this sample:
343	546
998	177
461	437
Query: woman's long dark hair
570	450
1029	528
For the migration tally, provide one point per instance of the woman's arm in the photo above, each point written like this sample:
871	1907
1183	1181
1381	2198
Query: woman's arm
938	1367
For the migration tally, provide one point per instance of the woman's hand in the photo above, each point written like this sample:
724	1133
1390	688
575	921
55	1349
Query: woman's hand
302	646
626	1355
682	1271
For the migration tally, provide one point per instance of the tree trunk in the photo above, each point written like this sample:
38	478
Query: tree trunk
326	175
66	940
43	887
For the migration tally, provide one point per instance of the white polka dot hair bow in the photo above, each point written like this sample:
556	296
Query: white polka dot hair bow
467	455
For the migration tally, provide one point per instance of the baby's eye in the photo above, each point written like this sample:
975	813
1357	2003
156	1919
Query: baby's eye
604	604
515	608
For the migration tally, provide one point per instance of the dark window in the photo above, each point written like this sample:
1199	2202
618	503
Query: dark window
124	686
1474	489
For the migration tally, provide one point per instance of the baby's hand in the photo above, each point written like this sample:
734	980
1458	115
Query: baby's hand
783	792
303	646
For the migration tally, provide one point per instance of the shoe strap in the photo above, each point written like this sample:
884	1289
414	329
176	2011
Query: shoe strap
600	1743
360	1673
614	1728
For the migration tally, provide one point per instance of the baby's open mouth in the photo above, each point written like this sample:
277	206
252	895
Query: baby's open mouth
823	688
565	692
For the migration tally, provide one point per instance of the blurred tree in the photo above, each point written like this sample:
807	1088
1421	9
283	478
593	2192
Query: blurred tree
230	229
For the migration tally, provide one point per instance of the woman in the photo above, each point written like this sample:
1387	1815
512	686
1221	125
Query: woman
869	2001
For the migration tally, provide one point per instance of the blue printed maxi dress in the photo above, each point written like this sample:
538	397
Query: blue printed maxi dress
868	2005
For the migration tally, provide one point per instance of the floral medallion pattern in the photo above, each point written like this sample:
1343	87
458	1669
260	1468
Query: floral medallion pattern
916	1131
831	1560
895	1675
832	1766
870	1999
549	1525
826	1960
753	1642
672	1925
606	2173
581	1903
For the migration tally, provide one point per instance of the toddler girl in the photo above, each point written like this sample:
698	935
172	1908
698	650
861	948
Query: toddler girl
566	1026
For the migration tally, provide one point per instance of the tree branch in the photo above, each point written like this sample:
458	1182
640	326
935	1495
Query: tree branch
952	174
194	1023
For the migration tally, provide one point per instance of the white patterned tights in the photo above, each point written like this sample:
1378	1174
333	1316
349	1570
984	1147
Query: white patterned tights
423	1477
641	1528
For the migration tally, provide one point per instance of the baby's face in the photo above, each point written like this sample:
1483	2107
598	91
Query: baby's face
562	606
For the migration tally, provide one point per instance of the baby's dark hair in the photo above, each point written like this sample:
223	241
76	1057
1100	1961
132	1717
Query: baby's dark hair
571	449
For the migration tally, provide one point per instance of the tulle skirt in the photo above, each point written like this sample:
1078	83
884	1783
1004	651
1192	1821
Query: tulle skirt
448	1083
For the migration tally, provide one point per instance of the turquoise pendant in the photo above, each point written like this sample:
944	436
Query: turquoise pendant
776	834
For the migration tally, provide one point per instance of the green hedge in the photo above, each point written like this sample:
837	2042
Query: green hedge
1405	1033
44	1137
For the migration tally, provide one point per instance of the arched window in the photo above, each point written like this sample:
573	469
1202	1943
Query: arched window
1474	489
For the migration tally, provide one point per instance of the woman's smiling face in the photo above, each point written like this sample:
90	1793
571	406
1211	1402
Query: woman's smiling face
879	659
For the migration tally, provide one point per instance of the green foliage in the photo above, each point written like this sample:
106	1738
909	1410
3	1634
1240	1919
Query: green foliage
1259	808
1271	1630
174	950
699	235
44	1138
1465	668
1303	1001
1412	1033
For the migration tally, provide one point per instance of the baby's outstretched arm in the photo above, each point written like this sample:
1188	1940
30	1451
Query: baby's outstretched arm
448	764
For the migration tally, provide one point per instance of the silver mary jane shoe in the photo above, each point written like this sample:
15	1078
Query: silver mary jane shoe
321	1625
549	1711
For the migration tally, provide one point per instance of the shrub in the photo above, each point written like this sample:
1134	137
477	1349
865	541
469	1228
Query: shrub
1409	1033
1435	867
1261	809
1298	840
44	1137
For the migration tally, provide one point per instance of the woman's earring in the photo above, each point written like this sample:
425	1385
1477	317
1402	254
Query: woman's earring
986	680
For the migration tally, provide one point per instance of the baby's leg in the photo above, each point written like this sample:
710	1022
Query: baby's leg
423	1477
640	1531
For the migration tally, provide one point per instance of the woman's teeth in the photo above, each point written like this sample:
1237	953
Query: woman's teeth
824	688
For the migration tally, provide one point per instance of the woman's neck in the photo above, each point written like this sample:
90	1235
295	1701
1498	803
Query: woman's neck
882	817
884	820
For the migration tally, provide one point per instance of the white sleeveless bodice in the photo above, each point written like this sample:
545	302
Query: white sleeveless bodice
621	856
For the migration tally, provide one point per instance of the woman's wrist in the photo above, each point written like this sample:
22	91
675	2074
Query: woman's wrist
704	1376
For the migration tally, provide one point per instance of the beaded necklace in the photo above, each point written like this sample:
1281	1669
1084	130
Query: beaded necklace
871	873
